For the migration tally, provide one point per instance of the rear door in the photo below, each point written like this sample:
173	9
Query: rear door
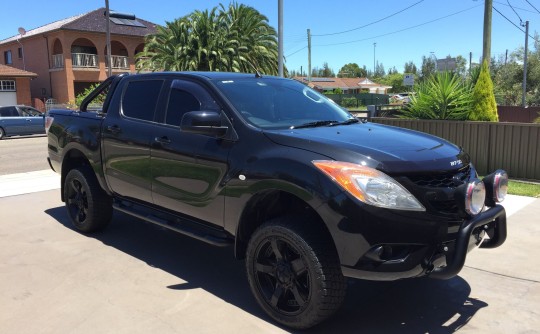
187	169
127	135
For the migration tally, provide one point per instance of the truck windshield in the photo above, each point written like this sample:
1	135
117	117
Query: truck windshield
273	103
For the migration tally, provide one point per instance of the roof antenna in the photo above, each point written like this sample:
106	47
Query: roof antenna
258	74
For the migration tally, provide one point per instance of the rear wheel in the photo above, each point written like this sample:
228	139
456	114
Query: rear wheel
89	207
294	272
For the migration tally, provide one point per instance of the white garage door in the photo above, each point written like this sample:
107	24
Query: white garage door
8	98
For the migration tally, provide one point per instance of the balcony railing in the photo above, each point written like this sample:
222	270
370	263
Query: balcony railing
117	62
58	61
85	60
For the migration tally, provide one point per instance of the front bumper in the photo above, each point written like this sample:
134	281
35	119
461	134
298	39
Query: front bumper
386	245
465	240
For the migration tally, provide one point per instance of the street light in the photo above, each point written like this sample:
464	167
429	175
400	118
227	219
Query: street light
374	45
432	54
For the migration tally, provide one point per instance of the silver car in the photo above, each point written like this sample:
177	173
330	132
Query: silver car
21	120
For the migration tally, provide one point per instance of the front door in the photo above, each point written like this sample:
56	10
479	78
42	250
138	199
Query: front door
187	169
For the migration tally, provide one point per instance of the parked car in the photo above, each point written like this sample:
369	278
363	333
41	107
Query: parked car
305	192
401	98
21	120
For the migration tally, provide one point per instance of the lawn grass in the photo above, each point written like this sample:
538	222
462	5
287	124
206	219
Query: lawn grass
524	189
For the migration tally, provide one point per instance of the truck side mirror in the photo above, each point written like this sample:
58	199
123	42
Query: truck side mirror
204	123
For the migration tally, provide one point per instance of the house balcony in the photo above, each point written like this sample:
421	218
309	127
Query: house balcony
58	61
118	62
84	60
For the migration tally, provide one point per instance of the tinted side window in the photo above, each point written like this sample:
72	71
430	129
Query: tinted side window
9	112
140	99
180	102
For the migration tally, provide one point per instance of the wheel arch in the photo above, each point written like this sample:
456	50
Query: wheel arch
268	204
74	158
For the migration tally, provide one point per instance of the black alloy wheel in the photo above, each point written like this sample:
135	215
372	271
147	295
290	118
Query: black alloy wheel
89	207
294	272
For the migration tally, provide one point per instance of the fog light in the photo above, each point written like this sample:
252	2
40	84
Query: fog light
496	187
471	197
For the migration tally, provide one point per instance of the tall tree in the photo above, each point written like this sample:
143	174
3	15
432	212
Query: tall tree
236	39
410	68
428	67
352	70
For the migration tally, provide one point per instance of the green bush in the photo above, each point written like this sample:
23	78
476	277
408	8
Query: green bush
100	99
441	96
484	107
349	102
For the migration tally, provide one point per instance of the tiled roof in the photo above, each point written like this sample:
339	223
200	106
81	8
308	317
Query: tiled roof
93	21
8	71
343	83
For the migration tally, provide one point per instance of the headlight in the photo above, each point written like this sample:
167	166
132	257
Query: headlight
369	185
496	187
471	196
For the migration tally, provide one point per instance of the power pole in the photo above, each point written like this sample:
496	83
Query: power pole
470	63
486	54
506	57
108	32
525	64
280	38
309	54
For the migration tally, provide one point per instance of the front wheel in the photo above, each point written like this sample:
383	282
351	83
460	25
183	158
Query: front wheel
2	133
294	272
89	207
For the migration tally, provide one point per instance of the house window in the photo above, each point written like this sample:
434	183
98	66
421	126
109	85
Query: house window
7	57
20	53
7	85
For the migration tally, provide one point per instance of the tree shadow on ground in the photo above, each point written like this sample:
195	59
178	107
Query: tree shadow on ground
408	306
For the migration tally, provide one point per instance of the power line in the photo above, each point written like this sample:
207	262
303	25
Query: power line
371	23
533	6
404	29
515	25
295	52
519	17
522	9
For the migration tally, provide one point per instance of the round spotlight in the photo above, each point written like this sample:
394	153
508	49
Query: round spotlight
496	187
475	196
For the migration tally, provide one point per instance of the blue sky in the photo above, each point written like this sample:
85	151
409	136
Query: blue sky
417	28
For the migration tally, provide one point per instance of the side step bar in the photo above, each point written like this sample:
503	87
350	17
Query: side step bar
197	231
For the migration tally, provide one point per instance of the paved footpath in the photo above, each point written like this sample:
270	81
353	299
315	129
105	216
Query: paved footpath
138	278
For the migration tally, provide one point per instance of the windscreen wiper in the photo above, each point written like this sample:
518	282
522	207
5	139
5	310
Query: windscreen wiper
347	122
314	124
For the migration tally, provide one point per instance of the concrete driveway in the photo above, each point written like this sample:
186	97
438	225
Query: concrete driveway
138	278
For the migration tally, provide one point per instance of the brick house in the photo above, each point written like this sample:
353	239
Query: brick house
70	55
15	86
347	85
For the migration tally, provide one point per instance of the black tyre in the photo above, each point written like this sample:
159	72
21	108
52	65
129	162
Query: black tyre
2	133
294	272
89	207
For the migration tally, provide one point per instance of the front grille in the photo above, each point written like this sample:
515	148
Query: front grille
442	180
438	189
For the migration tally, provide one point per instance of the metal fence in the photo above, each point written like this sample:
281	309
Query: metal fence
357	100
514	147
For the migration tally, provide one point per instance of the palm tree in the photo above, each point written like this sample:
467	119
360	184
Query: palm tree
234	39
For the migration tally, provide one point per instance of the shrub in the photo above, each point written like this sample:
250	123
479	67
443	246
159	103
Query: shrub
484	107
349	102
441	96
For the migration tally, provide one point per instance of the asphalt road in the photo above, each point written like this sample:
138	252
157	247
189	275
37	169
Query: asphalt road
23	154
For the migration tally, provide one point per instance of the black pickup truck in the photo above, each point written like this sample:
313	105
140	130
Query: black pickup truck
306	193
